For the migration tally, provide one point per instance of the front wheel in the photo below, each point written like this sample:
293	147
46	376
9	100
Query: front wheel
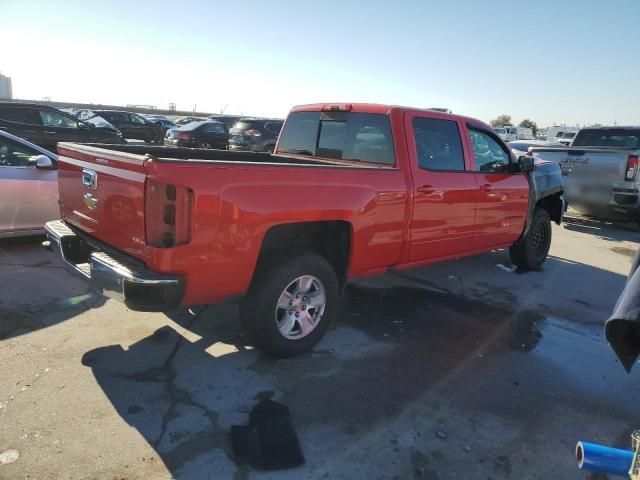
530	252
290	304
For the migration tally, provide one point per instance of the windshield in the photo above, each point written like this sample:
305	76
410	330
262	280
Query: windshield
500	130
567	135
608	137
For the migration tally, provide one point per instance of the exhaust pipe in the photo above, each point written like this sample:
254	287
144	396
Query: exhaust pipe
600	458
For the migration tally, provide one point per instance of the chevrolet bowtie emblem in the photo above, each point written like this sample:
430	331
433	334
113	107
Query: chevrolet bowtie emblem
90	201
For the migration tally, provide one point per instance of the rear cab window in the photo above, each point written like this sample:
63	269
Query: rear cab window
609	137
350	136
19	115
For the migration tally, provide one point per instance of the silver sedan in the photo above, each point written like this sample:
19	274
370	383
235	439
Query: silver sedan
28	187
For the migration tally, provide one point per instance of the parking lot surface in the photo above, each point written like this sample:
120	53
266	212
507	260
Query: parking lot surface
466	369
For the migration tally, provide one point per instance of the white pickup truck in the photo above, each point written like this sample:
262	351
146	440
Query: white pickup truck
601	169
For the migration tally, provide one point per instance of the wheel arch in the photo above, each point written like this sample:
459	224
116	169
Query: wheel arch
554	205
330	239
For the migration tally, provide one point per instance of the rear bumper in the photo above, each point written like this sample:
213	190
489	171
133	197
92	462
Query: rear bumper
112	273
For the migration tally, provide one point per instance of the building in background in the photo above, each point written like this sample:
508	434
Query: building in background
5	87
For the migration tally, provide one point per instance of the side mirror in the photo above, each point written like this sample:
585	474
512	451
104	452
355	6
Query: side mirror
525	163
84	126
45	163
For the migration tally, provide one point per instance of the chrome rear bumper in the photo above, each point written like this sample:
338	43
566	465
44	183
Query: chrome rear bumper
114	274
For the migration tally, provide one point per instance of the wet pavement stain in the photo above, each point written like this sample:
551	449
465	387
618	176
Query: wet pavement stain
524	333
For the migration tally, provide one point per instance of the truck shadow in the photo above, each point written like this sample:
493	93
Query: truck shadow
35	289
615	231
389	348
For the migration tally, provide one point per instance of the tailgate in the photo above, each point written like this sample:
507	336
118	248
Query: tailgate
102	192
598	165
601	166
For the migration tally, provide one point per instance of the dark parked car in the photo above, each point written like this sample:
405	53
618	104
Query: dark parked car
166	125
133	125
255	134
46	126
209	134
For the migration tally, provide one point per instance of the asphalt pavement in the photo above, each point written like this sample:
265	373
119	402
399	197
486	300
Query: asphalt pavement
466	369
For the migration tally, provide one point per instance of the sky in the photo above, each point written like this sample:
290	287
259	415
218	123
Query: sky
555	62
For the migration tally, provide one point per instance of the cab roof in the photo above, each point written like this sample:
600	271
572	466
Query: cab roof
383	109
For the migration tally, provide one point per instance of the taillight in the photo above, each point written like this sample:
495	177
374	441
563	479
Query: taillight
184	135
253	133
633	165
167	214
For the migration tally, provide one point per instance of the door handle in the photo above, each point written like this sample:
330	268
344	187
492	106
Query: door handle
49	132
426	189
486	188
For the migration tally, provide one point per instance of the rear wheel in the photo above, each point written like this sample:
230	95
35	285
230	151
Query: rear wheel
290	304
531	251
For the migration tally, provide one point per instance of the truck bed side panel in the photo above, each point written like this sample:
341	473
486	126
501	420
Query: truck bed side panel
235	206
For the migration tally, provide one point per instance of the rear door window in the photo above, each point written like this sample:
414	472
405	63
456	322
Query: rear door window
438	144
18	115
136	119
214	128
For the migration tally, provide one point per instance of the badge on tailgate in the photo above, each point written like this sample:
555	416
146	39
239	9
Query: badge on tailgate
568	164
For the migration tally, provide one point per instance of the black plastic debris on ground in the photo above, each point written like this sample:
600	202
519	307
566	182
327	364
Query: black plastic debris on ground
269	441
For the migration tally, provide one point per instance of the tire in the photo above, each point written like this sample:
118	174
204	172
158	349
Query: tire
279	331
530	252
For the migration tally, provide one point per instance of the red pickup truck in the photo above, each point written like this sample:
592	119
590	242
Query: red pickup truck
351	190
